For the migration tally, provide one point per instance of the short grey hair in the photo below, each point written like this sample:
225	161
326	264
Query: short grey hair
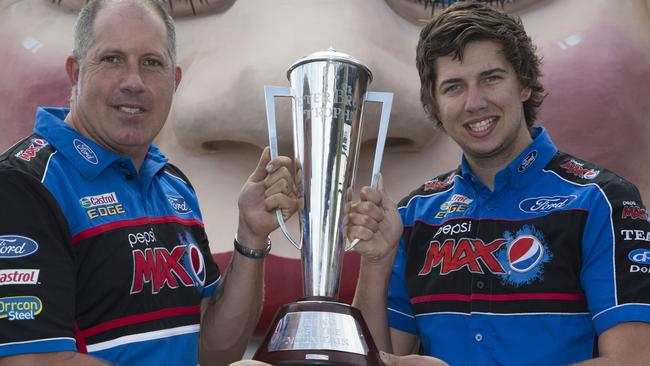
83	28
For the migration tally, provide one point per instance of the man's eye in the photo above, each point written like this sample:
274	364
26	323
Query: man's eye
152	62
176	8
110	59
451	89
420	12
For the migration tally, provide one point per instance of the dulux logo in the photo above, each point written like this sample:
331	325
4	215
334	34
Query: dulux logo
179	204
545	204
641	256
16	246
528	160
85	151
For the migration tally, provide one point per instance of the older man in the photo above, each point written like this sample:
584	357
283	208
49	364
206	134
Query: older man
103	253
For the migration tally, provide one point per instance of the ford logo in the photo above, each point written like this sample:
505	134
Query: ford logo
179	204
528	160
16	246
641	256
545	204
85	151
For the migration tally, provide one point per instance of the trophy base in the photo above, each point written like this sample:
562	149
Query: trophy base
318	331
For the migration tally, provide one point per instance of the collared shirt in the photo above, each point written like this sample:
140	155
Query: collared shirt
99	257
525	274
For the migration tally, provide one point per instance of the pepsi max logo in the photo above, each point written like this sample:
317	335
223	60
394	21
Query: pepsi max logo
545	204
528	160
641	256
85	151
525	253
195	265
179	204
591	174
16	246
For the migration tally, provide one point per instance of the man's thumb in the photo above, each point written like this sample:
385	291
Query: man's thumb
388	359
260	171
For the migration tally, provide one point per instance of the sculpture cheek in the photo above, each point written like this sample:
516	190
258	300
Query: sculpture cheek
33	74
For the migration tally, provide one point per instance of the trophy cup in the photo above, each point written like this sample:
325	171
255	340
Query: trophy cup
328	91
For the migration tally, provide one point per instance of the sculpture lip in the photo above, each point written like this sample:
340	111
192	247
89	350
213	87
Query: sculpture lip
330	55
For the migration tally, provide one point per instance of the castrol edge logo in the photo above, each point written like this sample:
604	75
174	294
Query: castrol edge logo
98	200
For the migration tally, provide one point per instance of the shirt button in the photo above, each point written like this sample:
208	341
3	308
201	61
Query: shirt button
478	337
480	284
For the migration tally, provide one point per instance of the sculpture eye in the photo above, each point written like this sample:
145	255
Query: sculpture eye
420	12
177	8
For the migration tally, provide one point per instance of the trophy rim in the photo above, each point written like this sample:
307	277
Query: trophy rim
330	54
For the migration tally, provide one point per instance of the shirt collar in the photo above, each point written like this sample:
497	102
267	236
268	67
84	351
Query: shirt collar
88	157
524	167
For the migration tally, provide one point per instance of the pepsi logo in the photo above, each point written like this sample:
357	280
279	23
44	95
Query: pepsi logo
525	253
195	265
591	174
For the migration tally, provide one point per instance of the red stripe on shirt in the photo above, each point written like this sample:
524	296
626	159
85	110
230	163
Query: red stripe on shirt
81	342
93	231
140	318
507	297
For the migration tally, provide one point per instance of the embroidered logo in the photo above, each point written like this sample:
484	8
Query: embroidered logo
528	160
30	152
85	151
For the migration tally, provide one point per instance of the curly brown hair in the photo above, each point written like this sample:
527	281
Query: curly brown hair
450	31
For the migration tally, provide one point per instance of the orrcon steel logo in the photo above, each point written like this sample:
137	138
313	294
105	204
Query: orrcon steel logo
20	307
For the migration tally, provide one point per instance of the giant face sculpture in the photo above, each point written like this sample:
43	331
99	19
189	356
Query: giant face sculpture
595	66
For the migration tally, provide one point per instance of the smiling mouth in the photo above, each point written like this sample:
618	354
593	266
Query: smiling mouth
481	126
130	110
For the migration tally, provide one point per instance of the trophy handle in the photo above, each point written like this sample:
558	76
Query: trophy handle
387	105
270	92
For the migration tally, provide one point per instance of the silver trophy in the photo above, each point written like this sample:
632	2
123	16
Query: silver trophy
328	91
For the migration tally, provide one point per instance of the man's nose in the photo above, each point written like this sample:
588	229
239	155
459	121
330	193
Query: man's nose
475	99
132	79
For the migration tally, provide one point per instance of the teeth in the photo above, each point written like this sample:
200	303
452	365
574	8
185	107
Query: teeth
481	126
131	110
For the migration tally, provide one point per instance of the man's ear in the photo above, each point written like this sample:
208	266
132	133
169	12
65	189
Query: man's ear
179	76
72	69
525	94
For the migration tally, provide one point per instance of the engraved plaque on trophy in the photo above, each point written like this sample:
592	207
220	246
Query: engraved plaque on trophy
328	91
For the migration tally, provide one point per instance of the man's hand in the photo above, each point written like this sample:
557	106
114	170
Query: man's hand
410	360
375	221
269	187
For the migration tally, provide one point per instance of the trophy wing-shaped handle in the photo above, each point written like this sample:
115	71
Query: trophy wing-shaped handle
386	99
270	92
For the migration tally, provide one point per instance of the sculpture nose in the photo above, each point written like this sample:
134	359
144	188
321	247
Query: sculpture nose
217	111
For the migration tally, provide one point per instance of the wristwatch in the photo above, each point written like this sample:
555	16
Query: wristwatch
253	253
